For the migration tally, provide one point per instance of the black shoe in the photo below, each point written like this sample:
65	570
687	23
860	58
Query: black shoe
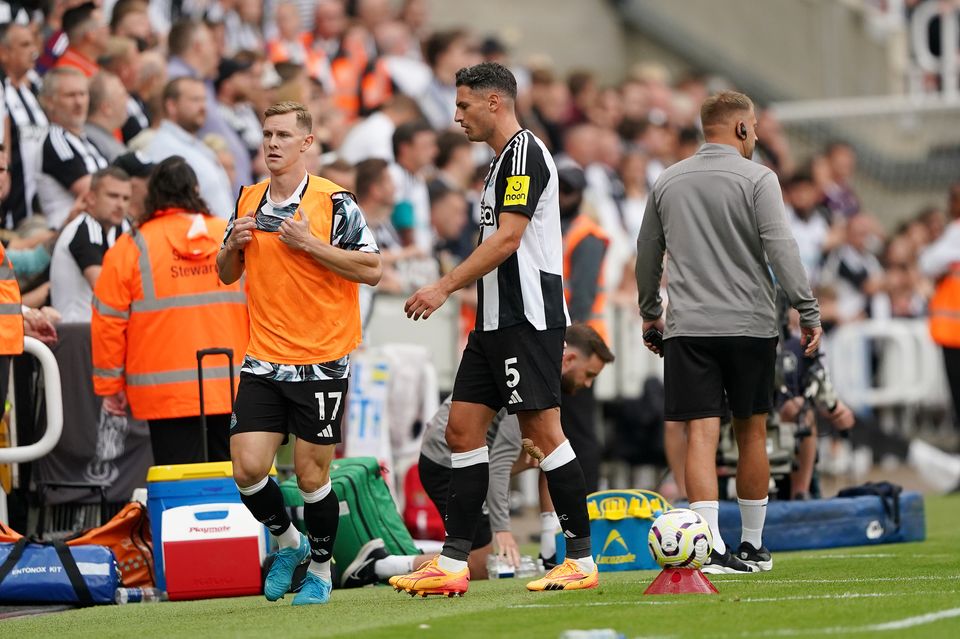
361	571
725	564
760	559
549	563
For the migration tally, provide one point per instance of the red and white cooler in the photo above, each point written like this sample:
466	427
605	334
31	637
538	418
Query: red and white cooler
212	550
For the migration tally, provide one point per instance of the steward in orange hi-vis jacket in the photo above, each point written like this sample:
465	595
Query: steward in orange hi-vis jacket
11	316
157	302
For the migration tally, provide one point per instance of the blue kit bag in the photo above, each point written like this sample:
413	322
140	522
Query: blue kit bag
32	572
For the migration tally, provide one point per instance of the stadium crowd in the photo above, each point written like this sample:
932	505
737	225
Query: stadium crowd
127	83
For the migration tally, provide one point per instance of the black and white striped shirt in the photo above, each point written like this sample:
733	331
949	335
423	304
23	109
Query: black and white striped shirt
528	285
66	157
28	128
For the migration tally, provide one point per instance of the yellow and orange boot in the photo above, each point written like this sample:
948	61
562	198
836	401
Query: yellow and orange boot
431	579
566	576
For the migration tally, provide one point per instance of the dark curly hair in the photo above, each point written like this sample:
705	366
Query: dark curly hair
488	75
174	185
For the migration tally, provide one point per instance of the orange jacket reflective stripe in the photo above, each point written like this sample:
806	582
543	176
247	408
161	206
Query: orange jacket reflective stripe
582	227
11	314
300	311
157	302
944	310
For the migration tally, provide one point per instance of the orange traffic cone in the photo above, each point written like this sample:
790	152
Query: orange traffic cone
681	581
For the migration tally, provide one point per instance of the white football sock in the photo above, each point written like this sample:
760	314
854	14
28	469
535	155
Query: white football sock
549	524
752	514
394	565
586	564
289	538
320	570
451	565
710	511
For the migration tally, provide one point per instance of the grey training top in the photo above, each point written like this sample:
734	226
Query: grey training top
720	218
503	440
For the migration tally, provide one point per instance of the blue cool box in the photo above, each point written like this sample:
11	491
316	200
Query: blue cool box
620	521
185	485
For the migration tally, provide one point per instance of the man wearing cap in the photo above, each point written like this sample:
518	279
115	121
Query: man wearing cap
139	168
234	85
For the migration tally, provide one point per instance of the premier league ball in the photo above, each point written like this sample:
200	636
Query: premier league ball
680	538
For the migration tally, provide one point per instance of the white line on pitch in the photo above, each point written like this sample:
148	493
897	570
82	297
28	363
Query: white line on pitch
897	624
862	580
674	602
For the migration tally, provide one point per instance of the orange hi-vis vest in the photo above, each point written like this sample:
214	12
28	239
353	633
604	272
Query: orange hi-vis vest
315	61
944	310
11	313
301	312
582	227
157	302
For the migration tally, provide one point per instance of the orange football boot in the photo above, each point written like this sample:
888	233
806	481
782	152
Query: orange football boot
431	579
566	576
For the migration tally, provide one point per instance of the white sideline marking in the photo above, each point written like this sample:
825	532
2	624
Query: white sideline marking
674	602
862	580
897	624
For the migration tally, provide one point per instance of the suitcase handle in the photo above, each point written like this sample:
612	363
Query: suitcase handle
202	353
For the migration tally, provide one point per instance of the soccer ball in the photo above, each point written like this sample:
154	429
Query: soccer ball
680	538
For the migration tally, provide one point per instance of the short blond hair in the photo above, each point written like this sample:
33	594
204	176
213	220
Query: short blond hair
718	108
304	119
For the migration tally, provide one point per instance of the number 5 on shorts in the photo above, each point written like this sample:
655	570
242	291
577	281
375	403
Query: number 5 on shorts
513	375
334	395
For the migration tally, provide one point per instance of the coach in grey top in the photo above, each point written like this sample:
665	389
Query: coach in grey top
719	217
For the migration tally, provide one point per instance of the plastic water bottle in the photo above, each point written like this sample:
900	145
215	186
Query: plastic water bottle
595	633
528	567
138	595
498	568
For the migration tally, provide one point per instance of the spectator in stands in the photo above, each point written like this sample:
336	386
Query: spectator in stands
219	147
340	172
122	58
580	146
87	30
810	222
153	77
853	271
78	254
940	263
235	84
841	162
68	157
294	45
372	137
139	168
152	285
244	27
28	122
455	165
415	148
448	218
193	54
130	19
107	113
446	52
583	88
185	110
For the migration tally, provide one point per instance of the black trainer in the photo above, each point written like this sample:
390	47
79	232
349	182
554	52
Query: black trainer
549	563
749	555
361	571
725	564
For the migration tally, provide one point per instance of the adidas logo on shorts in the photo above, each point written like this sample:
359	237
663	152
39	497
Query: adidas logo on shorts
326	432
515	398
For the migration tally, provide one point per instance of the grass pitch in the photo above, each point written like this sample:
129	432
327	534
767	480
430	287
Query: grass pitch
899	590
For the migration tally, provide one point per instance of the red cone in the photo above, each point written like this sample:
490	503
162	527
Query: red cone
681	581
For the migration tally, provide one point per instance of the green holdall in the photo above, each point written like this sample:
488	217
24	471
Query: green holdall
367	509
